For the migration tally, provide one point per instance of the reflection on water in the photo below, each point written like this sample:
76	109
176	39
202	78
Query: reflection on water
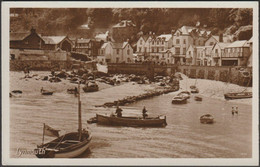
183	137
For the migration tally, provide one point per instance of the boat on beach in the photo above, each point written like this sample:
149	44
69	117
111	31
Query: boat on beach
69	145
240	95
45	92
198	98
185	94
194	89
131	121
90	87
207	119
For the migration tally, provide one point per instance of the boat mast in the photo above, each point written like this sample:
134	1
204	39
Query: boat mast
79	113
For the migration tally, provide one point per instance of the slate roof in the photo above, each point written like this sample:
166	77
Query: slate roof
166	36
53	39
237	44
14	36
83	40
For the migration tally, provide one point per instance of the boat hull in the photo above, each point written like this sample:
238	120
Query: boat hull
74	150
131	121
242	95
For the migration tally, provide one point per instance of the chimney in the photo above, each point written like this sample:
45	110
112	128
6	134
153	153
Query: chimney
221	37
33	30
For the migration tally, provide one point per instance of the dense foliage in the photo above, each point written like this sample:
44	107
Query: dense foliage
63	21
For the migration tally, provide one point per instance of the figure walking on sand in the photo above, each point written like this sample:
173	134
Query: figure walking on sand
144	113
118	111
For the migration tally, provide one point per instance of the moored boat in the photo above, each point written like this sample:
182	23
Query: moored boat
45	92
179	100
194	90
207	119
240	95
69	145
131	121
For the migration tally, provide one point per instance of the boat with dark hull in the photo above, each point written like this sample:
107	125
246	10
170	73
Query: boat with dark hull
240	95
90	87
69	145
198	98
207	119
131	121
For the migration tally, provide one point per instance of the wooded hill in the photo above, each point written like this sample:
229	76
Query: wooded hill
66	21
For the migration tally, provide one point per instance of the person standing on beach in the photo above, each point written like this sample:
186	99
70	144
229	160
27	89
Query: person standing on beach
233	110
118	111
236	110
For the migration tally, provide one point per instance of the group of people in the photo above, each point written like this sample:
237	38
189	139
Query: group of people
234	110
119	112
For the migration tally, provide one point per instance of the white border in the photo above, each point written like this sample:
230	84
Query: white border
126	161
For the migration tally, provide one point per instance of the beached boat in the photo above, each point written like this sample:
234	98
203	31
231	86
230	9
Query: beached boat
131	121
194	90
240	95
69	145
207	119
72	91
179	100
198	98
45	92
90	87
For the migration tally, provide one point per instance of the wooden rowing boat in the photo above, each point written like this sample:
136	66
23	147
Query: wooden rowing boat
207	119
131	121
179	99
90	87
240	95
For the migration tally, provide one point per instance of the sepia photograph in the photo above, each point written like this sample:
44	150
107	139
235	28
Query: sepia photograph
134	83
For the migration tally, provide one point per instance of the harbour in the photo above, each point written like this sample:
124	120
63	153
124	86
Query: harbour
183	137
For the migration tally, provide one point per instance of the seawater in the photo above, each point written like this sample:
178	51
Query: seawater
184	136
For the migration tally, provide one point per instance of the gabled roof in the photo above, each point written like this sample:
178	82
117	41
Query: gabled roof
18	36
236	44
167	37
53	39
104	45
216	37
83	40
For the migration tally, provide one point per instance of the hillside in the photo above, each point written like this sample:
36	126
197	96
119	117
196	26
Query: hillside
66	21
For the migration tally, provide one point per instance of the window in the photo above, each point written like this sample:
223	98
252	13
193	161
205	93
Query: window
140	49
211	43
162	42
117	51
128	51
141	42
189	52
157	50
157	42
216	50
184	50
184	41
177	51
128	60
145	49
153	43
117	59
178	34
152	50
102	52
177	41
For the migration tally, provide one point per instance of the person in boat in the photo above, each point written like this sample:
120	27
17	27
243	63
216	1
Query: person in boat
144	113
118	111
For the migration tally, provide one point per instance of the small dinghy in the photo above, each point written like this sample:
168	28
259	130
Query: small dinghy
198	98
90	87
185	94
207	119
46	92
194	89
179	100
241	95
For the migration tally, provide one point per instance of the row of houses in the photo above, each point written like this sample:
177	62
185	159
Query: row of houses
194	46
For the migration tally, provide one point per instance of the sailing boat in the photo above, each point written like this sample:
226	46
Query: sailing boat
69	145
239	95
